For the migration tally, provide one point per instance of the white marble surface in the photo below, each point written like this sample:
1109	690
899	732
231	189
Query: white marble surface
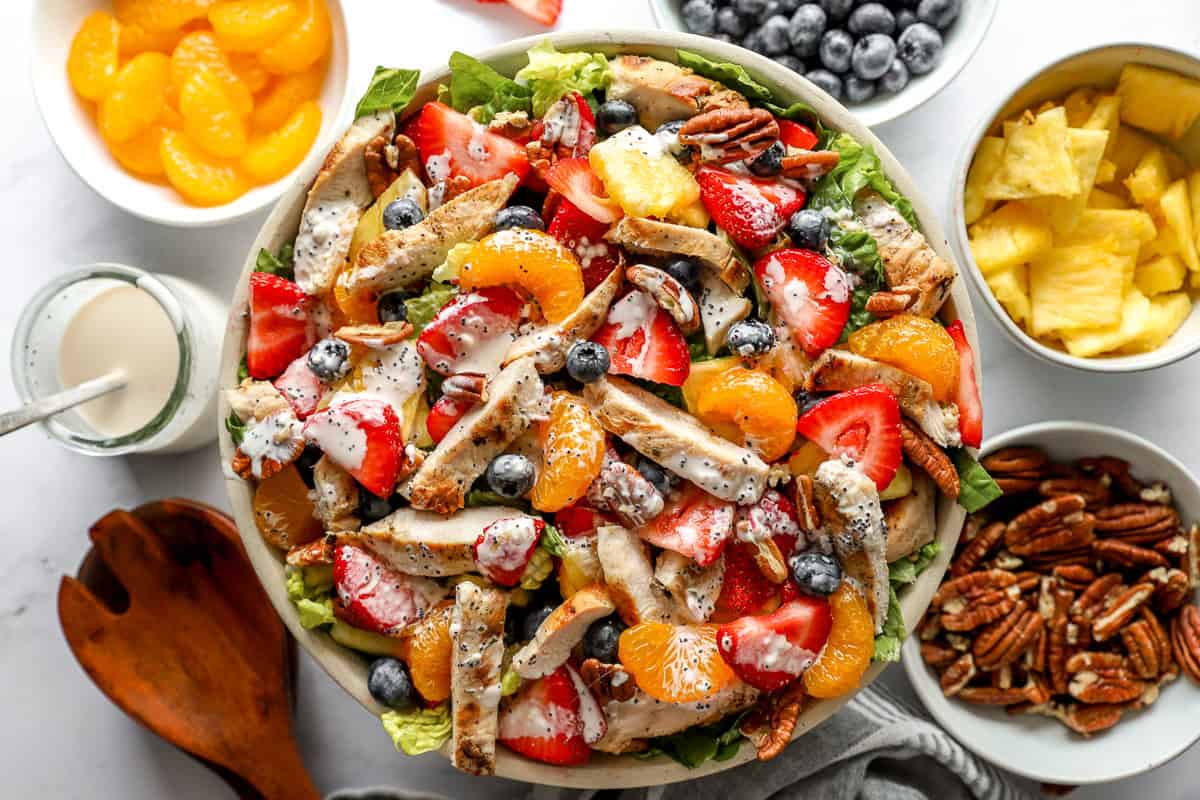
61	737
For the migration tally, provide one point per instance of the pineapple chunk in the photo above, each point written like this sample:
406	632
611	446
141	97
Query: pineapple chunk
1073	288
642	177
1087	149
1037	159
1012	234
1106	116
1160	275
1149	179
1123	230
1157	100
1079	106
1167	313
1194	195
1107	171
694	215
370	224
1135	314
701	375
987	161
1107	200
1131	145
1177	211
1011	288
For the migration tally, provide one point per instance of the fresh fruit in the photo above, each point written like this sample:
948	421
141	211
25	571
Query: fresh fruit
816	573
861	424
283	510
504	548
674	663
209	116
919	346
574	179
771	651
693	523
142	154
136	39
811	295
393	307
1176	208
642	177
1158	100
543	721
543	11
1167	313
744	588
584	237
199	51
427	648
273	108
519	217
460	146
160	15
579	521
757	405
793	134
511	475
750	337
848	650
534	619
572	450
700	375
1160	275
443	416
684	270
1076	287
753	212
1011	235
329	359
530	260
602	638
301	387
303	44
773	516
462	337
643	341
278	325
658	477
587	362
136	99
1149	179
966	394
389	683
614	116
363	437
248	26
281	151
375	597
372	507
201	179
1125	332
769	162
809	229
94	56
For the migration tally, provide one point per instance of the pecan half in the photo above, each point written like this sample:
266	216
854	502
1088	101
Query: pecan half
1107	686
379	174
375	336
1125	554
1171	588
885	304
1088	719
1050	520
973	585
1093	490
1142	649
1015	459
456	185
960	615
1089	604
809	165
1091	659
1058	651
1139	523
1191	563
977	549
723	135
1120	609
1007	640
989	696
1161	639
403	155
622	490
938	655
1185	640
806	509
785	712
466	386
1115	469
669	294
608	681
1074	576
318	551
924	453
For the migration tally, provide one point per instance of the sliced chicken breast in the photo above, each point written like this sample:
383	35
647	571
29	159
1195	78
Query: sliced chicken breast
335	497
651	237
641	717
662	91
629	576
424	543
561	631
693	588
912	519
911	264
720	308
254	401
477	635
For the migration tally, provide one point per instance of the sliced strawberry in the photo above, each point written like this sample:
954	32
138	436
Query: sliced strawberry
771	651
693	523
543	721
446	412
584	237
452	144
279	329
472	332
574	179
362	437
810	295
569	127
505	547
373	596
773	515
861	424
744	588
643	341
579	521
970	407
300	386
793	134
543	11
595	725
751	211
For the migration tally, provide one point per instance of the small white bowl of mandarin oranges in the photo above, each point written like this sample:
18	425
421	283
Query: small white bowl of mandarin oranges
190	112
1077	210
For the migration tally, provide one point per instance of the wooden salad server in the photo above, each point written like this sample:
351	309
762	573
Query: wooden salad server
168	618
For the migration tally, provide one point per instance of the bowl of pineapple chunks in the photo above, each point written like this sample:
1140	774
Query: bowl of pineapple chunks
1077	210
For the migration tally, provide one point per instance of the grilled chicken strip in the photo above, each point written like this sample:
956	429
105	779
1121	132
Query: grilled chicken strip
662	91
642	717
911	264
911	520
693	588
849	508
629	576
651	237
477	634
561	631
424	543
335	497
675	439
839	370
720	309
335	202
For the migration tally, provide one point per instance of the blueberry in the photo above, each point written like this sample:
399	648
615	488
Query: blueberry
534	619
731	22
614	116
858	90
904	18
510	475
826	81
329	359
753	41
809	229
939	13
837	9
389	683
806	400
600	641
895	79
684	270
587	361
513	619
372	507
769	162
307	460
835	50
392	307
750	8
700	16
816	573
789	6
872	18
750	337
805	29
774	34
872	56
402	213
655	474
919	48
518	217
791	62
772	8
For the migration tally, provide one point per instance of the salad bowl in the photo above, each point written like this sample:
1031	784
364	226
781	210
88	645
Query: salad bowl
350	669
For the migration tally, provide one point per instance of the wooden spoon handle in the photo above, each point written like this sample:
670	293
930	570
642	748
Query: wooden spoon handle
279	774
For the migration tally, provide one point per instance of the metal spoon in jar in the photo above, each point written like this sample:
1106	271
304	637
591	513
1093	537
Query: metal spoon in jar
47	407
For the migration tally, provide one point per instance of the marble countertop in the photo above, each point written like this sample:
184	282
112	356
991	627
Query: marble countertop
62	737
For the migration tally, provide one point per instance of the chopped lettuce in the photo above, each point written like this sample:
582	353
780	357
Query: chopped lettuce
858	168
281	264
424	307
420	730
448	270
482	92
315	613
901	573
698	348
243	369
552	541
539	568
904	571
735	77
479	498
390	89
551	74
310	590
976	487
236	428
719	741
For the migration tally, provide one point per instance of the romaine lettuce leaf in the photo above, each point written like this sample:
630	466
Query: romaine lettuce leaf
736	77
389	89
858	168
976	487
719	741
900	573
551	74
482	92
424	307
420	730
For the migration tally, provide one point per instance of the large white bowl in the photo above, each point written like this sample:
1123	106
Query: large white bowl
349	669
1098	67
1042	748
961	42
72	124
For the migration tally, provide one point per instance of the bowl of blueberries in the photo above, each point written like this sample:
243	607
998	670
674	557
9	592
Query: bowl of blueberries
881	59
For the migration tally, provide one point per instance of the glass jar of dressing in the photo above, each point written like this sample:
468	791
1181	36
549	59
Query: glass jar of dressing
163	332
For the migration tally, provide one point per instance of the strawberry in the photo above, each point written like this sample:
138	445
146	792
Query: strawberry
810	295
579	521
861	424
970	407
569	127
461	335
751	211
543	11
362	437
452	144
771	651
505	547
446	412
643	341
584	237
574	179
693	523
744	588
373	596
279	329
793	134
300	386
773	515
543	721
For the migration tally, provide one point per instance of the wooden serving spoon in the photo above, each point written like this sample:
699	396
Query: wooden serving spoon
169	620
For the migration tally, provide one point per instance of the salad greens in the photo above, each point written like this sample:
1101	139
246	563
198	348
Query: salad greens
719	741
550	75
419	730
901	573
236	428
424	307
976	487
482	92
552	541
737	78
310	590
390	88
282	264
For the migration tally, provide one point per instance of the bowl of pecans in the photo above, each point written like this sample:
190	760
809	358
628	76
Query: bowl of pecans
1064	641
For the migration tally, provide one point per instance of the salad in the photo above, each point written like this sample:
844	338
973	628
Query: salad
604	407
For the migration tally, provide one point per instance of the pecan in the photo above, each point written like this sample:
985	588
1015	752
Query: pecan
1015	459
670	295
1075	557
1191	564
622	490
924	453
1106	685
466	386
1171	588
1156	492
540	157
1089	719
1140	523
511	124
375	336
1046	604
1091	602
1036	655
1142	649
1161	639
608	681
1055	543
1185	640
885	304
1119	609
1036	691
1058	651
1027	581
929	627
403	155
456	185
973	585
977	549
1073	576
724	135
959	615
1048	516
1014	485
318	551
1007	640
938	655
1124	554
806	509
782	723
379	174
1002	678
1093	490
989	696
1115	469
1174	548
809	165
1091	659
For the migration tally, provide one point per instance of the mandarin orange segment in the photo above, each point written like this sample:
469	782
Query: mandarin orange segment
674	663
136	39
278	153
140	155
358	309
847	653
426	648
160	15
137	97
530	260
247	26
197	176
303	44
275	105
759	408
283	510
199	50
249	71
572	454
919	346
94	56
209	116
